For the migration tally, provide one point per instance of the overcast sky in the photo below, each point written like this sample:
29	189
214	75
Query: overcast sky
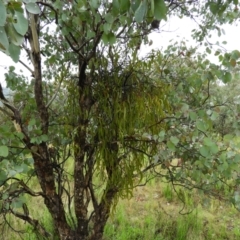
179	29
175	28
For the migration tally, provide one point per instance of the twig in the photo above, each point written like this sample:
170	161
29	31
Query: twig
28	68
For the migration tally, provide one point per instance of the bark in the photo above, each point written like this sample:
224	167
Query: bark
42	162
102	214
81	191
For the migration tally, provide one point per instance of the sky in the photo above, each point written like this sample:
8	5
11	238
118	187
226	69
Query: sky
174	29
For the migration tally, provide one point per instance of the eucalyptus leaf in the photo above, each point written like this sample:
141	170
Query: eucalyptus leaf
160	10
204	151
107	27
94	3
14	52
174	140
141	11
201	125
105	38
171	146
124	5
32	8
21	23
4	151
227	77
13	35
109	18
3	14
3	39
214	7
44	138
111	38
193	116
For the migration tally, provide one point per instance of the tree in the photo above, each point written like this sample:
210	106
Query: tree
93	102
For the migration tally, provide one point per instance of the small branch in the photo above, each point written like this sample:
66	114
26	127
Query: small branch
34	223
52	8
208	91
28	68
54	95
6	112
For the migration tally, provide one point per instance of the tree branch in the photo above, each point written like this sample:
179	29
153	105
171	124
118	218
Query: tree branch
28	68
35	223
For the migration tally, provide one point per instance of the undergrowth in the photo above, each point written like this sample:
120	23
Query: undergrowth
155	212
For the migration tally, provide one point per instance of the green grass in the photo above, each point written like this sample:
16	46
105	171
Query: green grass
155	212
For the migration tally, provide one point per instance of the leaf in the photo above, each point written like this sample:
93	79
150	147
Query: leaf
111	38
200	126
227	77
124	5
193	116
4	151
21	24
174	140
3	177
108	38
33	8
115	4
12	173
141	11
16	203
208	141
233	62
171	146
105	38
94	3
214	116
208	50
14	52
3	39
13	35
152	6
235	55
213	7
3	14
184	107
213	148
204	151
107	27
44	138
90	34
160	10
109	18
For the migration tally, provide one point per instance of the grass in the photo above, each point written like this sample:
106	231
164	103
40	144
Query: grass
153	213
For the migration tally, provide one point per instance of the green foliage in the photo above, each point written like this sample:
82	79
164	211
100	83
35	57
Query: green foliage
3	151
120	118
160	10
14	25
